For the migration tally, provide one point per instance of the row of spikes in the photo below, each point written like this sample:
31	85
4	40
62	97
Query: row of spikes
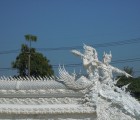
27	78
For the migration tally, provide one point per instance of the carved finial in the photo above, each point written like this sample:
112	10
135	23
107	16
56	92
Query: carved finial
104	54
110	54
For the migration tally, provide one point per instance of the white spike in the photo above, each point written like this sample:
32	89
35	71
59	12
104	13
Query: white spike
4	78
24	78
20	78
43	78
40	78
57	77
104	53
110	54
33	78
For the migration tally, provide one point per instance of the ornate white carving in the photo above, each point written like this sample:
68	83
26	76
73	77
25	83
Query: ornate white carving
108	100
73	119
52	91
39	101
26	109
106	70
28	85
90	60
31	78
57	93
71	82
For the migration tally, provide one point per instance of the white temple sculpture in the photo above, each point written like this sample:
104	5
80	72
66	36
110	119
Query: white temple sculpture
70	96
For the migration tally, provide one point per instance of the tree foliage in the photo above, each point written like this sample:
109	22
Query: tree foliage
129	70
134	87
30	37
39	65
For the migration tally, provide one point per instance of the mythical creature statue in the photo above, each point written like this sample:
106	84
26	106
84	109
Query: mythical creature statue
106	70
90	61
108	100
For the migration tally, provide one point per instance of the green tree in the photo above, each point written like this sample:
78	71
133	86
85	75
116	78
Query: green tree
39	65
30	38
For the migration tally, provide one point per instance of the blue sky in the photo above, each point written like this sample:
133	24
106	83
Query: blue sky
66	23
